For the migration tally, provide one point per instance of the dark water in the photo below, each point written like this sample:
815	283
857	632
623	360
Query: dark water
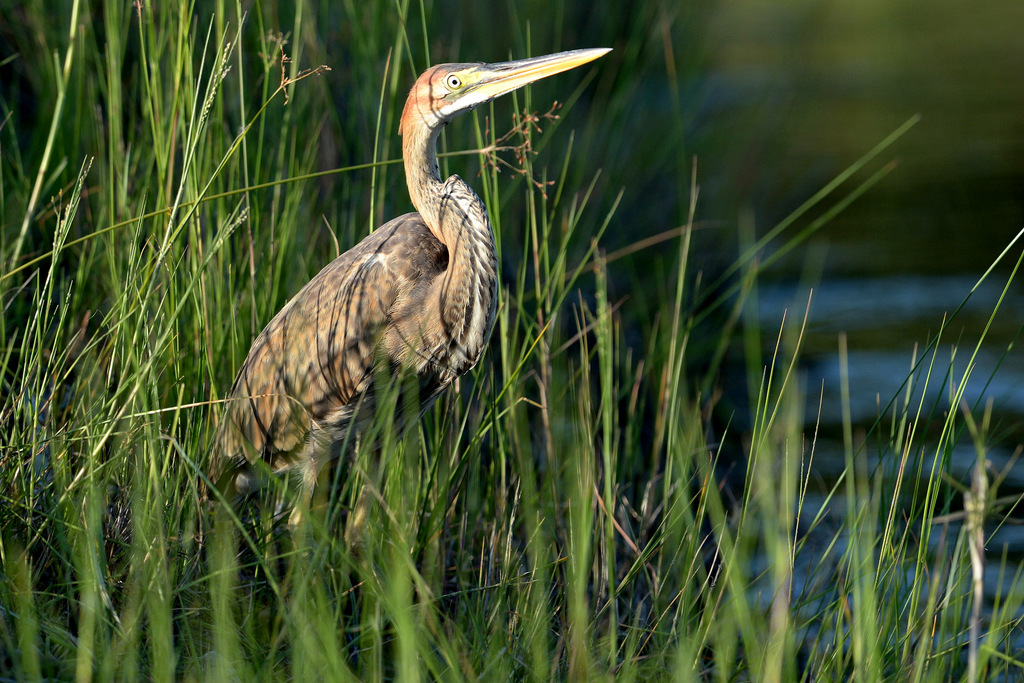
799	90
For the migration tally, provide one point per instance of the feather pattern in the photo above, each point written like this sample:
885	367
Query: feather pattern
418	295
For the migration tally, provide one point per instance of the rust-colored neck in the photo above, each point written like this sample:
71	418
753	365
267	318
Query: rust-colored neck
467	295
419	144
419	128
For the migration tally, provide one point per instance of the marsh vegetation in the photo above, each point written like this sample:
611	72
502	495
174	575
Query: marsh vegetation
636	482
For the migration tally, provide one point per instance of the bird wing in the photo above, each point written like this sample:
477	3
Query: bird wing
315	358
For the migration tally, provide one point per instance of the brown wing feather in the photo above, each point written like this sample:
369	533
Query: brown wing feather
314	361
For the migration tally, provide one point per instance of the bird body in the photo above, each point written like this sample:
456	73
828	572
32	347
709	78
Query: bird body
311	370
418	295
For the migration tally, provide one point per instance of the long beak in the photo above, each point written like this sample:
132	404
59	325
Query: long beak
504	77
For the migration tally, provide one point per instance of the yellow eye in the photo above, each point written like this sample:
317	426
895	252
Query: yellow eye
452	82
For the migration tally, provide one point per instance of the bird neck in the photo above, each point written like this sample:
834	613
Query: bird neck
419	149
467	295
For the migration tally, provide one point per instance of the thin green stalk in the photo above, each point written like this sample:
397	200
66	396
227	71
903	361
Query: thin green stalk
63	74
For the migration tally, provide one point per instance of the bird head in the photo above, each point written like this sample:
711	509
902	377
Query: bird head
444	91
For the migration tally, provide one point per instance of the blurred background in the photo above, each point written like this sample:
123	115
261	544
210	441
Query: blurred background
790	94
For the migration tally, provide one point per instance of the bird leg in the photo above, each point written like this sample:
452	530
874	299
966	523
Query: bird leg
308	469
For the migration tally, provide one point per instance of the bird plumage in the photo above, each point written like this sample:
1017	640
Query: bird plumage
418	294
311	369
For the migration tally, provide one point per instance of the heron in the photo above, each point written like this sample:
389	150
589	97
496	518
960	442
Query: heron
417	297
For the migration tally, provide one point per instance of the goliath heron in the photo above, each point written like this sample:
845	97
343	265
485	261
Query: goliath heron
417	295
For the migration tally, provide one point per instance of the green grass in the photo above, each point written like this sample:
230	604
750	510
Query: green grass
565	513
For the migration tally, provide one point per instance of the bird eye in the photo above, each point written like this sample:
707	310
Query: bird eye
453	82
